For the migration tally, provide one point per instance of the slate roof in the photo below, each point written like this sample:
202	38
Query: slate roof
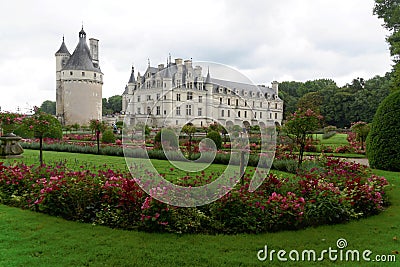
63	49
81	58
132	78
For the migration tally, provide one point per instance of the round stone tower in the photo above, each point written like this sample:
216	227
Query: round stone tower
79	82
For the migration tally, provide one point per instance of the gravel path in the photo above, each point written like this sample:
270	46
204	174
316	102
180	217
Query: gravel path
362	161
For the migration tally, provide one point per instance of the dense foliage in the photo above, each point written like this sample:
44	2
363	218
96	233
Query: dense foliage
356	101
383	146
112	105
216	137
334	192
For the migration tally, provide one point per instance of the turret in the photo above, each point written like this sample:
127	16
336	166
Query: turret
208	85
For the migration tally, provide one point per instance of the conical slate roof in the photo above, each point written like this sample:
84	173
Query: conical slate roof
63	49
132	78
81	58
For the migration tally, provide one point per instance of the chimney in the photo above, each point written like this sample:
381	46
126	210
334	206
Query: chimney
94	51
178	61
275	85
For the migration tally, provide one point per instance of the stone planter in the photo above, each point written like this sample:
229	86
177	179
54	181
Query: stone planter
10	147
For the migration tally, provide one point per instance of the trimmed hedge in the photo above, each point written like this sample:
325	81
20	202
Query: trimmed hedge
383	144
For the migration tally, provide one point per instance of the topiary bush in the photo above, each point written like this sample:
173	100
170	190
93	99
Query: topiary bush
108	137
216	137
383	146
168	136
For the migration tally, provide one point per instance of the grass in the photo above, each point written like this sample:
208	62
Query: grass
34	239
336	140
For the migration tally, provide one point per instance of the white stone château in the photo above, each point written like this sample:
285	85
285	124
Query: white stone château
79	82
173	95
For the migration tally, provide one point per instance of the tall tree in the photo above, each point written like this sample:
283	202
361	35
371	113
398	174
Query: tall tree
48	107
389	11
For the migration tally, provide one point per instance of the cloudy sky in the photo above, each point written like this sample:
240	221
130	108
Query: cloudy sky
264	39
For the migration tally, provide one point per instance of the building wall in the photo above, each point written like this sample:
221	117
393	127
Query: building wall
82	102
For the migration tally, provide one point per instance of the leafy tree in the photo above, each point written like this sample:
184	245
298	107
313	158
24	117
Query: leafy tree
311	100
43	125
112	105
216	137
361	129
166	135
76	126
98	127
190	130
389	11
383	146
299	126
48	107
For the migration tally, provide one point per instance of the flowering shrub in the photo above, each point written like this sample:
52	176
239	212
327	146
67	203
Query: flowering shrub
333	192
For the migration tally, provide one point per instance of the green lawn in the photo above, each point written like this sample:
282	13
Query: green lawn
336	140
34	239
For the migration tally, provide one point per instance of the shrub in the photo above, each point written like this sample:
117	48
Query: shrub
383	146
169	138
108	137
216	137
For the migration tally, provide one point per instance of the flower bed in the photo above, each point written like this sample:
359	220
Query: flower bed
333	192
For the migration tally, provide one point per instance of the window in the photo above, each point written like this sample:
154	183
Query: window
199	112
276	116
138	98
270	115
260	104
178	97
158	110
260	115
158	83
165	97
158	96
245	113
229	113
83	73
95	75
276	105
178	84
245	103
222	113
165	112
255	115
148	110
178	111
138	111
188	110
189	96
239	114
220	100
148	97
253	104
229	101
200	99
237	103
71	73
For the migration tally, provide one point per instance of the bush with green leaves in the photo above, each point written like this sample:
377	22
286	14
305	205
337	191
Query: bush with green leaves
383	146
108	137
168	137
216	137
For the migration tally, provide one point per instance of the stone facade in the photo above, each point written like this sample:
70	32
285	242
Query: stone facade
178	93
79	83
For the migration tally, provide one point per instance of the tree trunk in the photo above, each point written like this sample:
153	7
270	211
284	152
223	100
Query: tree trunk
241	168
41	150
98	141
301	152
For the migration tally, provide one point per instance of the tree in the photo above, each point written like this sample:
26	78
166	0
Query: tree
389	11
115	103
48	107
43	124
361	129
216	137
299	125
311	100
76	126
383	146
190	130
98	127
